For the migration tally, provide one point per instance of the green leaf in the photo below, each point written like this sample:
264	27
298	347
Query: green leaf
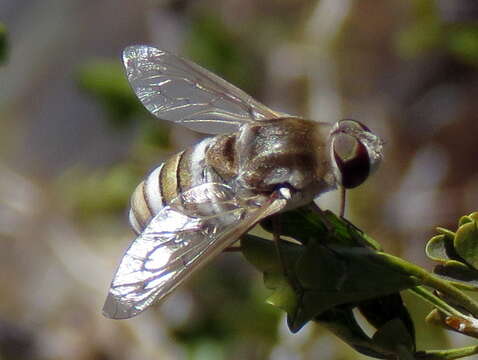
457	252
466	243
394	337
299	224
342	323
343	275
456	271
308	223
468	218
363	271
380	311
451	354
473	216
436	248
336	266
262	253
314	303
320	268
285	297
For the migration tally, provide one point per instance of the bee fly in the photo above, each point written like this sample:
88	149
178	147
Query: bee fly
201	200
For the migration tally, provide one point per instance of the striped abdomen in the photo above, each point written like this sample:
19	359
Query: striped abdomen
208	161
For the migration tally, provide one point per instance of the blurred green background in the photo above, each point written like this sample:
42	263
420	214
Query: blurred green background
74	143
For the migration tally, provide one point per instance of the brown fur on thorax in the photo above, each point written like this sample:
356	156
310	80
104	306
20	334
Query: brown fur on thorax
221	156
288	150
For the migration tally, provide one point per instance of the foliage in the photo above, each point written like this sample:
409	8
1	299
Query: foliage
457	253
114	186
430	33
463	43
211	44
3	44
106	82
334	267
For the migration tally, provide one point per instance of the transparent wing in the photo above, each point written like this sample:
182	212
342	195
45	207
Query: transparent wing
181	238
178	90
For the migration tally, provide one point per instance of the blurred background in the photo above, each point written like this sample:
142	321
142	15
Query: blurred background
74	143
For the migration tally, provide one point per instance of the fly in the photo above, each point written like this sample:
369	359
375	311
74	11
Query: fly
200	201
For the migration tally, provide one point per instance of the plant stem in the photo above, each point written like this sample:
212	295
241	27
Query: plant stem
432	281
436	301
447	354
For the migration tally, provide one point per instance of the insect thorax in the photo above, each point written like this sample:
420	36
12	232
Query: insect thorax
288	151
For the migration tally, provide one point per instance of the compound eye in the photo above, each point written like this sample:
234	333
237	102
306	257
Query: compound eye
351	158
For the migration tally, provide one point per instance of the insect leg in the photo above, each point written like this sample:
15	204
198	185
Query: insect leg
278	241
233	248
328	225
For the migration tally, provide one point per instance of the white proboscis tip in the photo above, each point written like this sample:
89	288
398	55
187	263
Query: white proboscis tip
285	193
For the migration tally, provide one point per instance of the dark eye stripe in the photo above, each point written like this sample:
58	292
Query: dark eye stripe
356	169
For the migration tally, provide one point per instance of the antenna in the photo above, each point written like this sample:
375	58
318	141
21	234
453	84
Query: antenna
342	201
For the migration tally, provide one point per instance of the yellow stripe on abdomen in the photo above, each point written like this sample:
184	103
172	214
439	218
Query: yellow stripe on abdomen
168	178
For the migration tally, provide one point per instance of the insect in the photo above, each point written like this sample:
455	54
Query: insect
200	201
